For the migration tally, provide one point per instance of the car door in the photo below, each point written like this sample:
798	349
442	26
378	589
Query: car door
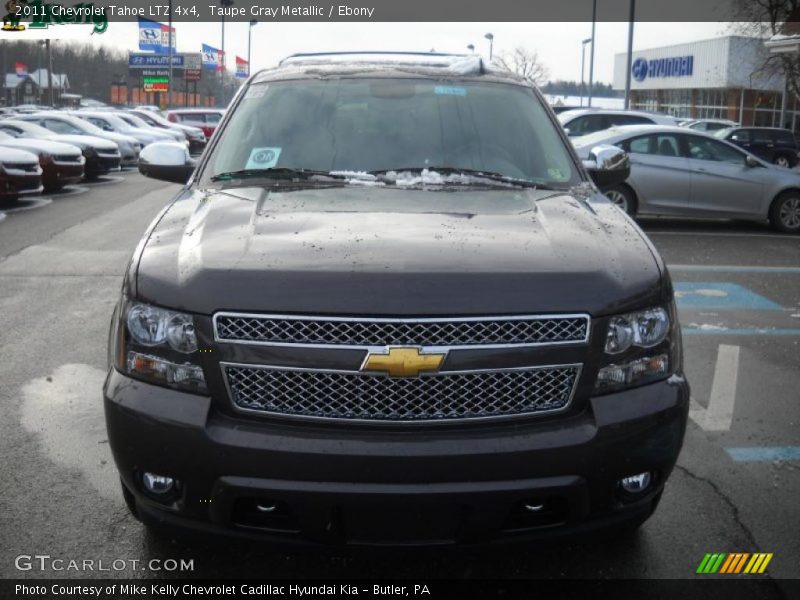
721	181
659	173
762	144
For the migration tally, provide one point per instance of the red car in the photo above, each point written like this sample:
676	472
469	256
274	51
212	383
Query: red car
20	173
206	119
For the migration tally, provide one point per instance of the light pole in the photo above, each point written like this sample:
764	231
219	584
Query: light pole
169	44
471	48
631	19
490	37
591	55
253	23
225	4
583	59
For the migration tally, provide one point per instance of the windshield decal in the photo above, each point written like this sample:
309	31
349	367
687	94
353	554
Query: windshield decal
449	90
263	158
255	91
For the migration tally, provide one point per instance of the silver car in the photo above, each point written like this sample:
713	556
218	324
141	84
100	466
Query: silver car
680	172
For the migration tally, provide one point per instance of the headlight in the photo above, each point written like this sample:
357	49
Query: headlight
645	329
157	345
152	326
645	346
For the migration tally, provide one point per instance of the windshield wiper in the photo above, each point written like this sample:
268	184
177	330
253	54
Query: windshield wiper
476	173
274	173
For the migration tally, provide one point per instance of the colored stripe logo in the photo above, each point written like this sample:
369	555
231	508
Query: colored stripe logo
734	563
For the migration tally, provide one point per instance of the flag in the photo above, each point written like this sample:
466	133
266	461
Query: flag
21	68
164	48
242	67
212	58
149	35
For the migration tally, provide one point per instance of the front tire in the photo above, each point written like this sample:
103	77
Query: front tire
784	214
783	161
622	196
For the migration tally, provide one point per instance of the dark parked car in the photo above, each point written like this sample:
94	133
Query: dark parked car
583	121
390	307
61	163
20	174
194	135
101	155
772	144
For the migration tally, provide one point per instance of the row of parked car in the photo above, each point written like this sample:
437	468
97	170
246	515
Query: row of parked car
45	150
706	168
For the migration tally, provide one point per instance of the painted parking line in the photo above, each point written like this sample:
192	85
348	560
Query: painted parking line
731	269
719	414
764	454
714	295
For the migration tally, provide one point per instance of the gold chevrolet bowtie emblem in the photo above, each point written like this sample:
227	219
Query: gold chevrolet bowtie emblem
403	362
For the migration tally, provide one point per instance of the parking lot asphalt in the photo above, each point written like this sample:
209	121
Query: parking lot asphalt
735	489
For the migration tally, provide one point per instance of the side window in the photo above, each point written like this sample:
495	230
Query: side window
10	130
761	136
213	118
629	120
586	124
706	149
640	145
784	137
741	136
60	126
657	145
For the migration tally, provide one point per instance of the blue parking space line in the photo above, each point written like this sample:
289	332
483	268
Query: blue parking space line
739	331
716	295
731	269
764	454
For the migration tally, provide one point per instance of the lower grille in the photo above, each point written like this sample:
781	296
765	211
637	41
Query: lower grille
356	396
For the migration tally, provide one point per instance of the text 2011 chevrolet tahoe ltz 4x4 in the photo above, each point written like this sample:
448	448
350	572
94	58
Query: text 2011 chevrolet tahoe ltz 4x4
390	306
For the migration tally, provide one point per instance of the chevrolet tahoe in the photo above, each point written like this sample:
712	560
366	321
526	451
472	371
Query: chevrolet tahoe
390	306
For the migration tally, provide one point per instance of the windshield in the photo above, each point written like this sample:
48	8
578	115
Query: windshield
30	129
134	121
371	125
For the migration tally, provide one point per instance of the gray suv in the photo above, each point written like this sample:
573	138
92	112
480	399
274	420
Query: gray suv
390	306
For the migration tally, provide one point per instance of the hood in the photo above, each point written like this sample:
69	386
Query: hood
20	156
393	251
85	140
37	145
119	138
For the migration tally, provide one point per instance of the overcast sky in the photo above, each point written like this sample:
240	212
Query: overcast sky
558	44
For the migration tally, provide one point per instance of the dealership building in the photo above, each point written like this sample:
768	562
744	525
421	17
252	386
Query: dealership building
721	78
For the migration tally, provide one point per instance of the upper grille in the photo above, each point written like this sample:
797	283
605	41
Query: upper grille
67	158
346	395
407	332
27	167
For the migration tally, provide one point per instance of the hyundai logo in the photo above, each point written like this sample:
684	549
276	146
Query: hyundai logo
639	69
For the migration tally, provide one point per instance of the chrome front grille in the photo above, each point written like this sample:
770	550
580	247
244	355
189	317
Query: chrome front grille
356	396
366	332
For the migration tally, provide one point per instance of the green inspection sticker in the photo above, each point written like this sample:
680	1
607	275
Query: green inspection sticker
555	173
263	158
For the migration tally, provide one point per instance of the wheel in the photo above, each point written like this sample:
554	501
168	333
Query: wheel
622	196
784	215
782	161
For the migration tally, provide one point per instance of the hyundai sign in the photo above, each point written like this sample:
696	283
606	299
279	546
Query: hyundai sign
677	66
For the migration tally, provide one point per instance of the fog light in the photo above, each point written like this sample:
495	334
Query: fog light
636	484
158	484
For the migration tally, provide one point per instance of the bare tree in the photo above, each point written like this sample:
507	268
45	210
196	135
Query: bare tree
763	19
525	63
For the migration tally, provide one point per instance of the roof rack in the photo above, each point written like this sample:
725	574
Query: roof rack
370	52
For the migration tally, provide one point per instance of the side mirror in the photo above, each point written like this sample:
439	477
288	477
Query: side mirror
567	131
608	165
751	162
168	161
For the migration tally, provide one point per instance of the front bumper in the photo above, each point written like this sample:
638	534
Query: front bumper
366	486
13	185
